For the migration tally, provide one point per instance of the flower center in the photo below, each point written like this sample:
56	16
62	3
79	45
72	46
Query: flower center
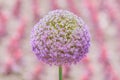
62	26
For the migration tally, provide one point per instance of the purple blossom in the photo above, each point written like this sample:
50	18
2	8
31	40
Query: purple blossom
60	38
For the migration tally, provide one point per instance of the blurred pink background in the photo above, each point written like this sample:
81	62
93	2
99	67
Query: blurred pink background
17	61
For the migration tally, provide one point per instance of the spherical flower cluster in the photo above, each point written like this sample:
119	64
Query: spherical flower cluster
60	38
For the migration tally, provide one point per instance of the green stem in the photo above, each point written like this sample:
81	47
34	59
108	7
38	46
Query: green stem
60	72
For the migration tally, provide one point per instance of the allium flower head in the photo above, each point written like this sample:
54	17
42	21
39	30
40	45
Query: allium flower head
60	38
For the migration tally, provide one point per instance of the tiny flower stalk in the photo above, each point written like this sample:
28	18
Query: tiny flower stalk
60	38
60	72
